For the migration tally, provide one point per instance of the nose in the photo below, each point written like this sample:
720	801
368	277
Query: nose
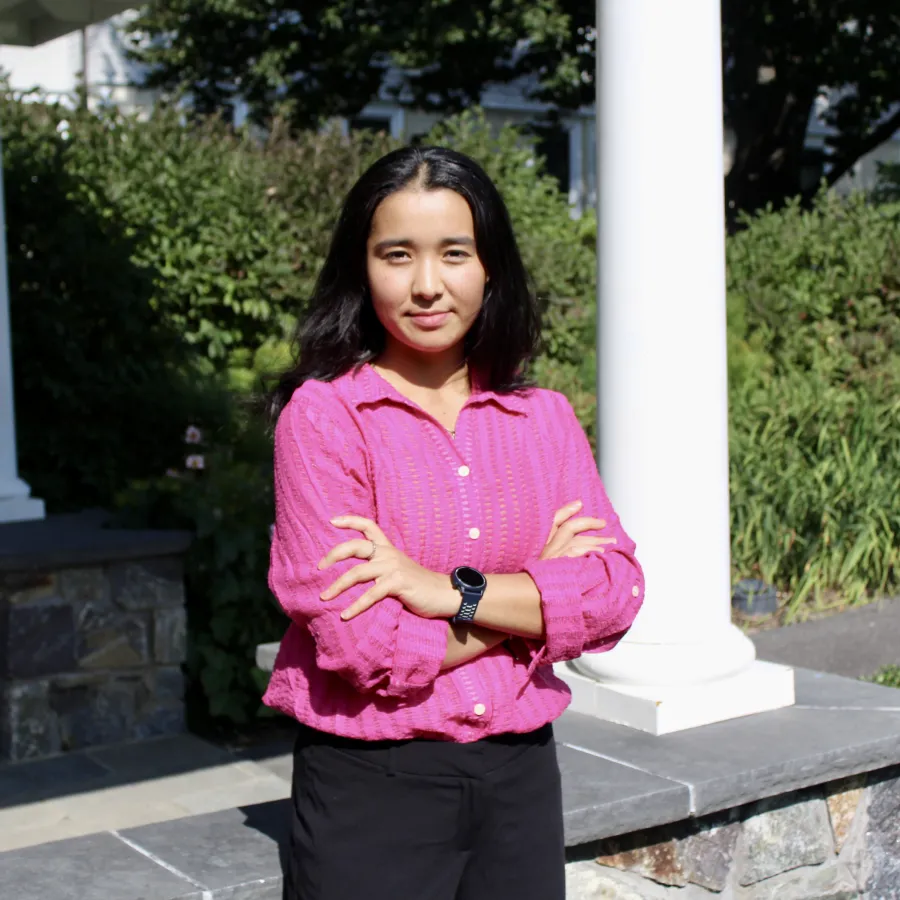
427	279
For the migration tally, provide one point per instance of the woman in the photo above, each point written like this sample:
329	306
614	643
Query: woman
426	552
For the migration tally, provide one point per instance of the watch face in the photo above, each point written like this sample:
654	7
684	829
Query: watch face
470	577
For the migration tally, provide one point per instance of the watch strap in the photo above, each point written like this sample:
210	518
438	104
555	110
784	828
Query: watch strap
468	607
471	597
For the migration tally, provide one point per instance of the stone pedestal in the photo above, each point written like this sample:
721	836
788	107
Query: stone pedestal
92	636
755	688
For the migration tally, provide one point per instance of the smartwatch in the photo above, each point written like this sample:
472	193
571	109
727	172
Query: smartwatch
471	584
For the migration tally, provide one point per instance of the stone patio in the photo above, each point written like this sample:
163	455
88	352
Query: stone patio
619	784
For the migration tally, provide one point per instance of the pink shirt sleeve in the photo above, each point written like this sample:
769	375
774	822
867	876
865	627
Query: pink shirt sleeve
320	473
588	602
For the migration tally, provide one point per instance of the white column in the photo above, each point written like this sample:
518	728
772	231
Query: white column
662	388
15	502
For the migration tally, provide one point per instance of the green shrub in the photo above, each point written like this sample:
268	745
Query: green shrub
205	221
889	676
814	343
228	505
103	385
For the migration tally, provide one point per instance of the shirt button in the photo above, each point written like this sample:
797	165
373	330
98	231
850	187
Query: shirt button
480	709
463	470
474	533
635	591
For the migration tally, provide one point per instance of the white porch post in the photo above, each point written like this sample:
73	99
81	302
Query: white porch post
16	504
662	390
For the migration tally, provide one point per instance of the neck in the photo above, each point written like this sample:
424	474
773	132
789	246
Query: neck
430	372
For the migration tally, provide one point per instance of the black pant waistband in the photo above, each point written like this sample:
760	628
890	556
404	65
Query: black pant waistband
311	736
422	756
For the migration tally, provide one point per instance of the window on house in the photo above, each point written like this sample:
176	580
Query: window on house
553	145
374	124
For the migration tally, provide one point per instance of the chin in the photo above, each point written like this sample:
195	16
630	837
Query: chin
434	342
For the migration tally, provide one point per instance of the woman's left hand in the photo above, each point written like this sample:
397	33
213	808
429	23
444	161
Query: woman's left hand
425	593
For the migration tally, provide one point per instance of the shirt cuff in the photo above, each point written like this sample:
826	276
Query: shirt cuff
559	585
420	649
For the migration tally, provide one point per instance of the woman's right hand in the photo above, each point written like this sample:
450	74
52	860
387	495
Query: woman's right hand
566	534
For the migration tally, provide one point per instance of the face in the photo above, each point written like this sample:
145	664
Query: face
425	277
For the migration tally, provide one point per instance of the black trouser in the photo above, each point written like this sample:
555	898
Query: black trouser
426	820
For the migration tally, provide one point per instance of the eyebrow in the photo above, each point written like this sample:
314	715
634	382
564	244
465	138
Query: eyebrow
409	242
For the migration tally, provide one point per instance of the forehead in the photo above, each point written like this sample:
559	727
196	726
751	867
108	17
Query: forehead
427	212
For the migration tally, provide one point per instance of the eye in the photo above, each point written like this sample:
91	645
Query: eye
396	255
457	255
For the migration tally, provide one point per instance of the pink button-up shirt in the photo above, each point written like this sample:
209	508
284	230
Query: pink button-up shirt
486	498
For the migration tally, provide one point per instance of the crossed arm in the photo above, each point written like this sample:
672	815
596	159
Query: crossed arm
511	606
562	605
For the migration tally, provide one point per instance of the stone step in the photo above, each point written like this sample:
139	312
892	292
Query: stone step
130	785
779	778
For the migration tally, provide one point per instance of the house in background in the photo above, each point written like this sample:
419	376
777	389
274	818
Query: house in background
99	51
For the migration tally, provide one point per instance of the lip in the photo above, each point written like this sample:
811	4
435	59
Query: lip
430	320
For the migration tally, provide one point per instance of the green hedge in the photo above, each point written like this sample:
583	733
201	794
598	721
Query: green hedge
157	270
103	384
814	358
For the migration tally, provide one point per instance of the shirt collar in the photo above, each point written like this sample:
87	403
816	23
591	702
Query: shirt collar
365	385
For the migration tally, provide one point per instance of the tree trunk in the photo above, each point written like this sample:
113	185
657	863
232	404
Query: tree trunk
770	155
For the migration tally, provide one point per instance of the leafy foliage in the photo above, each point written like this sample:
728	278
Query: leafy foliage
814	322
102	384
778	57
889	676
323	58
228	505
313	60
202	219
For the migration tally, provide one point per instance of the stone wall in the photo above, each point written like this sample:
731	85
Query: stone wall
837	842
90	655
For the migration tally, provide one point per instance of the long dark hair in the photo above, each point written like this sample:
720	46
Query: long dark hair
340	329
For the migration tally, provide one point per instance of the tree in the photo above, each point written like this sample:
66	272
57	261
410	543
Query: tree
310	59
314	58
779	57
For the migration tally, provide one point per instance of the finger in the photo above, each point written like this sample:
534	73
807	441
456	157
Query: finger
367	600
589	543
560	516
356	575
369	528
565	512
360	548
581	551
585	523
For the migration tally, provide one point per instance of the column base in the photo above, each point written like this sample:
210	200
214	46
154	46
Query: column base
21	509
760	687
